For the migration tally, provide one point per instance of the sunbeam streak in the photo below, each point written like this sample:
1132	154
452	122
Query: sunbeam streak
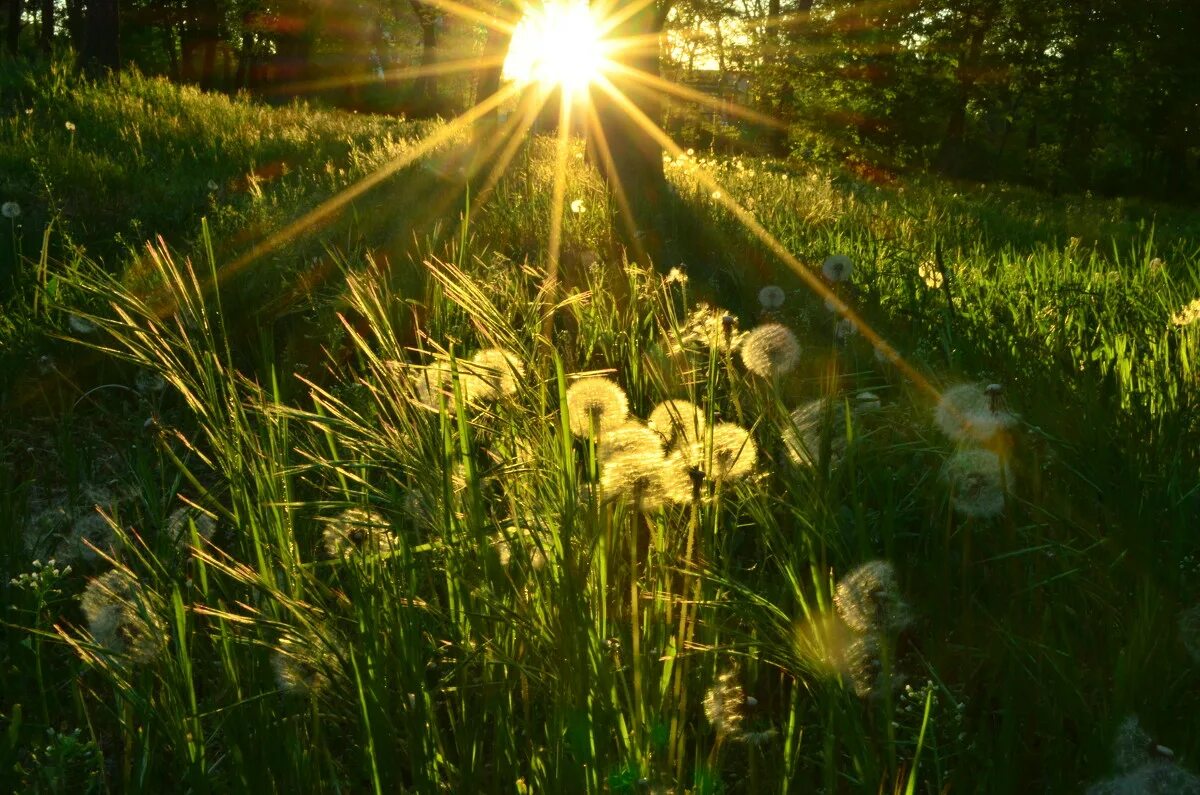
722	195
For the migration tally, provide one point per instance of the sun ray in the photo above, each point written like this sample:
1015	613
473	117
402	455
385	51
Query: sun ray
747	219
521	122
557	201
624	213
331	206
691	94
428	70
469	14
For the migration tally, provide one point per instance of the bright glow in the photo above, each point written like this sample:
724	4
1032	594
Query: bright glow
556	45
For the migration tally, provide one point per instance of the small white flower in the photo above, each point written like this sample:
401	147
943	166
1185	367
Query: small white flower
577	206
837	268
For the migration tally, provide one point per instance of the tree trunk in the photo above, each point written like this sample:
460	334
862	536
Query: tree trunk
103	42
75	24
953	150
13	33
168	44
635	164
47	37
487	82
425	87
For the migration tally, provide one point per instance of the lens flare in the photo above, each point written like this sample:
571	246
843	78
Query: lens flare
556	45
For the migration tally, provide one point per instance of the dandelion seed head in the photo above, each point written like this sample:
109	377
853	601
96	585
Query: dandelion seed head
977	480
676	420
148	382
724	705
844	329
1189	631
931	274
357	530
70	126
866	403
92	538
868	599
1132	745
299	668
496	372
771	297
676	276
180	522
631	437
1158	777
10	210
81	325
733	453
577	206
808	423
596	403
968	414
121	617
862	664
650	480
1187	315
433	383
837	268
212	185
770	350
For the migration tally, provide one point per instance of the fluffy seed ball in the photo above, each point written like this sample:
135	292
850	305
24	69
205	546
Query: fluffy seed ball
771	297
497	371
649	480
733	453
301	669
121	617
357	530
967	413
724	705
977	479
770	350
809	423
630	438
596	404
677	420
837	268
868	599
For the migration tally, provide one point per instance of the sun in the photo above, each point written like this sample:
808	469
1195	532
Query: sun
558	44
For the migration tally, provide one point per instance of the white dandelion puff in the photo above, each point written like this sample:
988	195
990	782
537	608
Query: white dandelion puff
92	538
676	420
121	617
844	329
862	663
650	480
496	373
596	405
805	434
931	274
868	599
837	268
10	210
300	667
732	456
771	297
149	382
629	438
1187	315
978	480
182	520
969	413
770	350
81	325
725	705
70	126
577	206
357	530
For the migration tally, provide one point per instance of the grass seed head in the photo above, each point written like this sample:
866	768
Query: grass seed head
770	350
596	405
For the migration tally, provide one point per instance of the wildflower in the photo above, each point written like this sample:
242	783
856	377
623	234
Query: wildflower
977	481
733	453
92	538
596	405
494	373
10	210
1189	631
771	297
676	276
868	599
649	479
70	126
968	413
81	325
724	705
837	268
182	520
577	206
121	617
770	350
357	530
677	420
300	667
1188	315
931	274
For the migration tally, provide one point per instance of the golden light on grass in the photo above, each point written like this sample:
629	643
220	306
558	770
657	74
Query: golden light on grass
557	45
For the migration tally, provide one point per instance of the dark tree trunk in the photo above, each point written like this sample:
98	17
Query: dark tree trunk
75	24
634	165
168	44
425	87
487	82
47	37
103	42
13	32
245	61
953	149
208	30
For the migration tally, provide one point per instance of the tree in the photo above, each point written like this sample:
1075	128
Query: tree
103	43
13	30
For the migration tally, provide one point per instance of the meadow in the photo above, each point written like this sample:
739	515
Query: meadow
372	509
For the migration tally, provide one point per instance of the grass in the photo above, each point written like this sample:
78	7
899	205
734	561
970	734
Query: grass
519	629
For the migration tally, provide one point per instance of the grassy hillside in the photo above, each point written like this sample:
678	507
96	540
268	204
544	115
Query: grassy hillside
359	520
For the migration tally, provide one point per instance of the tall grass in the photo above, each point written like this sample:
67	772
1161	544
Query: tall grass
520	628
